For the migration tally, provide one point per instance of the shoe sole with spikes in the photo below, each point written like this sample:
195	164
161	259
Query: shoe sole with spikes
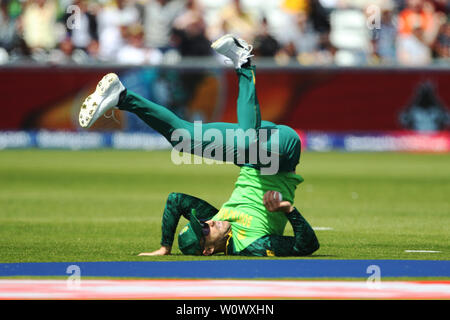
104	98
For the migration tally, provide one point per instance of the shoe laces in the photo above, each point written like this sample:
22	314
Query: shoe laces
242	57
246	55
112	116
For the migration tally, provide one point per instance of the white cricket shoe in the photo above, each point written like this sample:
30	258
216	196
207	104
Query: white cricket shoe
236	49
104	98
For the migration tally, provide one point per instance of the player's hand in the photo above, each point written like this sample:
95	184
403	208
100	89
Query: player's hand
273	201
163	251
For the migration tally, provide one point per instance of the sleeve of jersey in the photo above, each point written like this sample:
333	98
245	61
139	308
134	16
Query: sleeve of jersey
180	204
304	242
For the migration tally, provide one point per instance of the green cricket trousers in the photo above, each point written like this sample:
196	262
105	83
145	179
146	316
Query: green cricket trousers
243	143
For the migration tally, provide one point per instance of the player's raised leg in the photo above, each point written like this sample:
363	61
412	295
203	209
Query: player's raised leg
288	144
239	52
111	93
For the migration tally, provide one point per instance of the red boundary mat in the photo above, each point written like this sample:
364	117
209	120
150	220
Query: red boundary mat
220	289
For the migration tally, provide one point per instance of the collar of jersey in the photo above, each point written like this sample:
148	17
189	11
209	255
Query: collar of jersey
229	242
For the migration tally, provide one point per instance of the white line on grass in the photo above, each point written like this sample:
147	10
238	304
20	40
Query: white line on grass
322	228
422	251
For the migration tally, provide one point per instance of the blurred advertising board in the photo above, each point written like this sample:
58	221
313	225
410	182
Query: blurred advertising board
312	141
368	109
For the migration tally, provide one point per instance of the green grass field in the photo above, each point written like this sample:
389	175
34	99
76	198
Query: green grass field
107	205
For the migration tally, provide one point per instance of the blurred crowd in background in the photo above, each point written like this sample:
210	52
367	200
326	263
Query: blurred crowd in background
307	32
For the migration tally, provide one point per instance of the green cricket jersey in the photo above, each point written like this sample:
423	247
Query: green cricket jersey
254	230
245	211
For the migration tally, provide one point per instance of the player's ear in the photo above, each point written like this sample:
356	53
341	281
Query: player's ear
208	251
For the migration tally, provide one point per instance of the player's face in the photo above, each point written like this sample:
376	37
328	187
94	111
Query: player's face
217	230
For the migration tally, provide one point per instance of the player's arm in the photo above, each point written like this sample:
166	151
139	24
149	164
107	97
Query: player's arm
304	241
305	238
177	205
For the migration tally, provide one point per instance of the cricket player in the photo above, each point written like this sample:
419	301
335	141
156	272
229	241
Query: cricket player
253	220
